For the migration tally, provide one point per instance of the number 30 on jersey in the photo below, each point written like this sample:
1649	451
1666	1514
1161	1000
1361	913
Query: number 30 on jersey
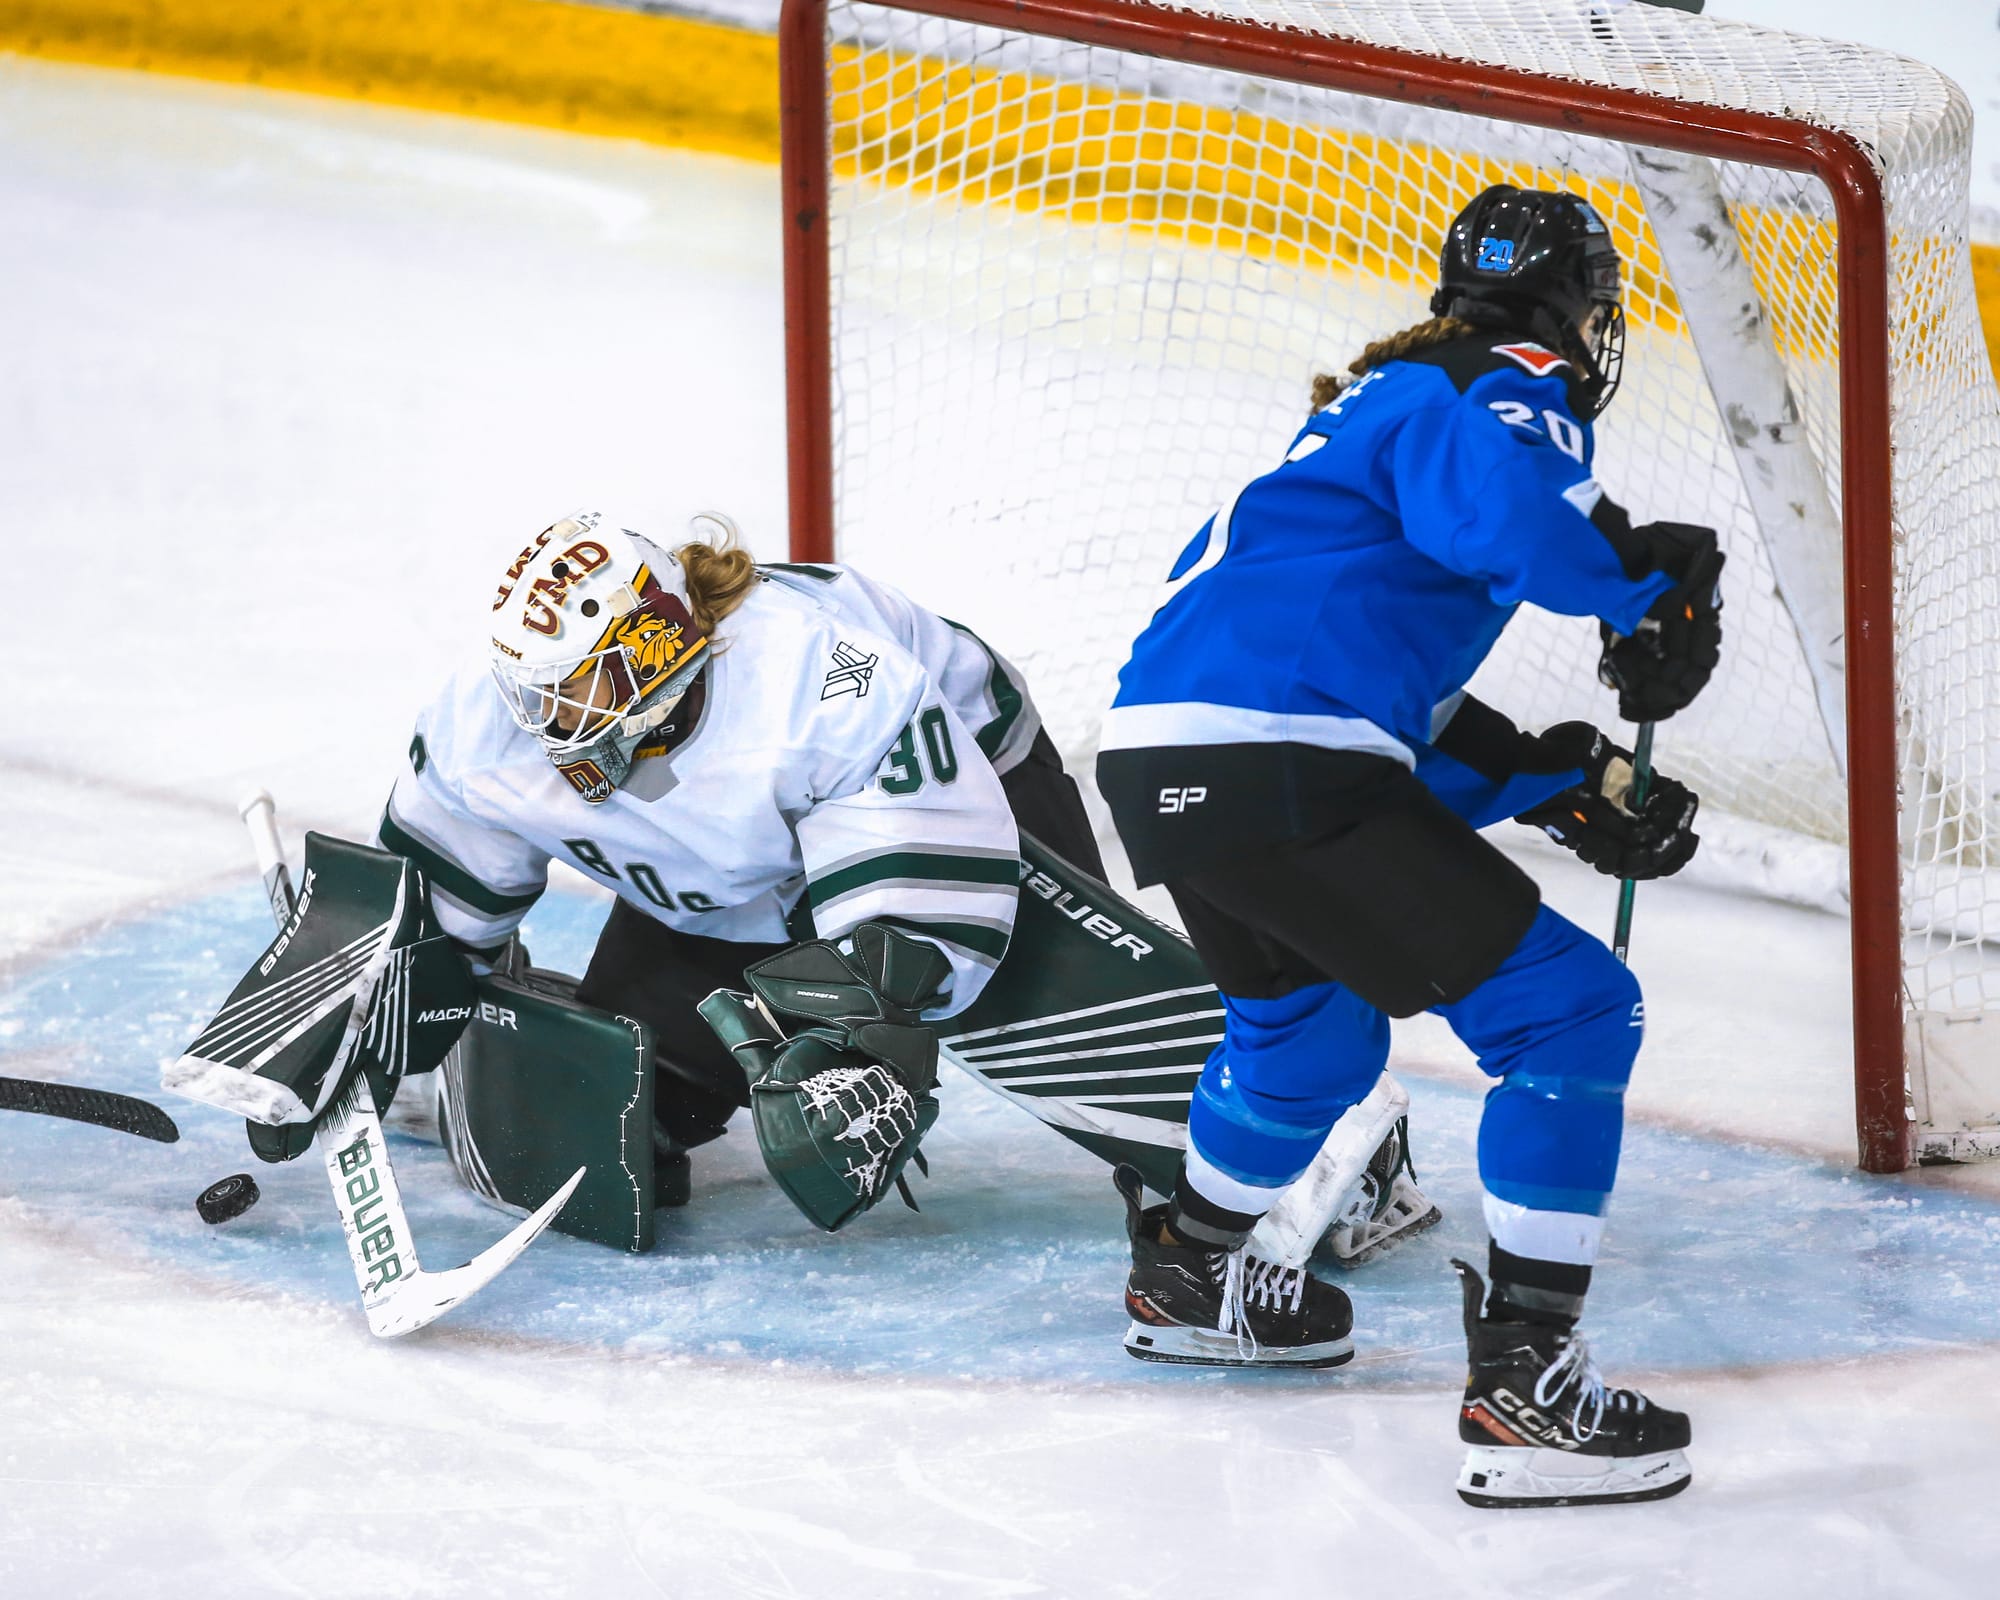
925	744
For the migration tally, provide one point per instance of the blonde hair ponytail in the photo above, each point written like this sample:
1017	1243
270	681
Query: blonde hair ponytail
1439	330
719	573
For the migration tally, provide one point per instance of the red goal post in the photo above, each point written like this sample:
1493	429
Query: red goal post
1632	116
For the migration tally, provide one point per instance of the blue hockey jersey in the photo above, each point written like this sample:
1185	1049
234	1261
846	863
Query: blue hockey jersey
1345	596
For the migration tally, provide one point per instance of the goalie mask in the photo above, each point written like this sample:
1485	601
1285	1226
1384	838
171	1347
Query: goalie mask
593	646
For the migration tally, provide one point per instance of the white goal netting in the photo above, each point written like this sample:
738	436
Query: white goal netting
1078	296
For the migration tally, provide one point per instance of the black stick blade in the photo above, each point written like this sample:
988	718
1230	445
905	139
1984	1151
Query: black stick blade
100	1107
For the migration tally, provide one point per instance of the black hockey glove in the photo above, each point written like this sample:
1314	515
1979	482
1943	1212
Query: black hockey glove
841	1070
1661	667
1598	819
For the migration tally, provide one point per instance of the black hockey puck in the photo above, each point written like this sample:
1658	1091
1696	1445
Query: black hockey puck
226	1198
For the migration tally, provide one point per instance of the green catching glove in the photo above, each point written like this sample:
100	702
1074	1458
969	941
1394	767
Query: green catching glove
841	1071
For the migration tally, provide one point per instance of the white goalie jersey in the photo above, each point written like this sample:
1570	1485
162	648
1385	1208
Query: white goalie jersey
840	759
977	682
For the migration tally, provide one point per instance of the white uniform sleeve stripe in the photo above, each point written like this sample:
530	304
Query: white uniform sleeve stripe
468	925
822	871
954	899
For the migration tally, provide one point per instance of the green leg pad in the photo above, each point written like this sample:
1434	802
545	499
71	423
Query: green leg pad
1098	1022
538	1086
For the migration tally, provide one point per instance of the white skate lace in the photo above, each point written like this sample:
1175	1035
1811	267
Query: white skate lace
1575	1365
1251	1280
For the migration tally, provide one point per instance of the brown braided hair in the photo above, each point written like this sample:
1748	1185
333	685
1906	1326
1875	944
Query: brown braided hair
1326	386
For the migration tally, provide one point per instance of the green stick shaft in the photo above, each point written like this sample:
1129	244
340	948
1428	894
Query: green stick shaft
1628	889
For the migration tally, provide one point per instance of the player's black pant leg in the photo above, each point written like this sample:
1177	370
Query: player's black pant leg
1047	804
1240	959
642	968
1407	906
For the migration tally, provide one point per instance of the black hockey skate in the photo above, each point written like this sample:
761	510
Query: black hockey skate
1224	1308
1542	1428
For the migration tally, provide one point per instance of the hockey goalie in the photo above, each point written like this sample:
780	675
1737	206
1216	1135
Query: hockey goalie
842	847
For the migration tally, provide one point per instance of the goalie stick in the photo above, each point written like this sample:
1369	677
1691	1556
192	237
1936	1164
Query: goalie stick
122	1113
397	1292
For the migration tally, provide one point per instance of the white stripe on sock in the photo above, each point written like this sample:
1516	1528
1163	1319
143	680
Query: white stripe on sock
1219	1189
1565	1236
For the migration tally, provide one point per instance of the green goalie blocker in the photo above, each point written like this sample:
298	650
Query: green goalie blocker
539	1085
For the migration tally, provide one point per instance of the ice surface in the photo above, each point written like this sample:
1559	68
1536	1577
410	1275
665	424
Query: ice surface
280	377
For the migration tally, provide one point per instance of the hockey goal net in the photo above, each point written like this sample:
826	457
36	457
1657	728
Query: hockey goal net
1059	273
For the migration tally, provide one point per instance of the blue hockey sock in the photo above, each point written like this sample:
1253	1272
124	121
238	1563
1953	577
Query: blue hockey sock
1286	1071
1559	1025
